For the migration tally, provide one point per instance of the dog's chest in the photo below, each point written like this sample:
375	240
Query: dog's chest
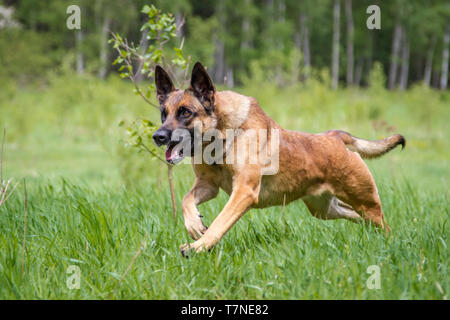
272	191
276	191
224	179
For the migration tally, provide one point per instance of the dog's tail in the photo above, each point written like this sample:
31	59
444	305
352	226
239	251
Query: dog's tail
369	149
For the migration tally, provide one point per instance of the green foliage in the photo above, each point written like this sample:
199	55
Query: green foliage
136	150
139	135
159	29
267	32
25	56
377	78
198	44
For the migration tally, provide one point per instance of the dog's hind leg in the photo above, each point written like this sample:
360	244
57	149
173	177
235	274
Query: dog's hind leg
327	206
369	206
360	192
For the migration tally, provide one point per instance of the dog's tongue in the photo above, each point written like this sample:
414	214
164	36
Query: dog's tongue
172	154
169	155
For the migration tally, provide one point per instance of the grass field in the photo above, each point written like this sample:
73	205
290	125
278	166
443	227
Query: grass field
93	204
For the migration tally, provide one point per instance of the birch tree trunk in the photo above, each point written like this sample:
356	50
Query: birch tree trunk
445	54
403	82
143	45
396	40
435	79
305	45
219	60
336	34
298	36
429	62
78	44
296	72
245	43
281	10
246	37
358	71
219	54
104	46
302	44
229	78
350	37
179	22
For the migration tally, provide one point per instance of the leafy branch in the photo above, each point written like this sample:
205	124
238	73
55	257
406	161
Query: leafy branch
135	61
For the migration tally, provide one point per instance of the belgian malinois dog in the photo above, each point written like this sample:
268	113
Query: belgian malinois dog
325	170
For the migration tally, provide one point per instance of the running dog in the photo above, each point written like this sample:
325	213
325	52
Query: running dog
325	170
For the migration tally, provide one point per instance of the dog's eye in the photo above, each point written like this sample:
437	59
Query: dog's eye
184	112
163	116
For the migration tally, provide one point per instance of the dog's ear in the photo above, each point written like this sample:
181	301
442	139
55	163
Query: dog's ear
202	86
164	85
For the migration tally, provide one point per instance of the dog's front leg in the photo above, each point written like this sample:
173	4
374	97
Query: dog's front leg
202	191
244	195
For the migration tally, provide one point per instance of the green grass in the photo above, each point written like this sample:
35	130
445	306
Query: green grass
261	257
92	203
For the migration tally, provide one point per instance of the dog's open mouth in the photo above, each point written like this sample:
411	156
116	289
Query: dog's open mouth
174	152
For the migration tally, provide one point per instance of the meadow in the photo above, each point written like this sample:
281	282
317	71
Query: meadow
95	204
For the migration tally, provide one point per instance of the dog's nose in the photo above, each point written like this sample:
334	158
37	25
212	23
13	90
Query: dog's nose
162	136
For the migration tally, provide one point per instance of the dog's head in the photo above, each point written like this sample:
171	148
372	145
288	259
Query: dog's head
182	111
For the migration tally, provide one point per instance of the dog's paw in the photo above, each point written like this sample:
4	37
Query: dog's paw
186	250
196	229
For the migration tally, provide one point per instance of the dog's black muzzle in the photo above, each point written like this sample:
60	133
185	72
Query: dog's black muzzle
162	136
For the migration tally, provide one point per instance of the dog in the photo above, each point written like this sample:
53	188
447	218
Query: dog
325	170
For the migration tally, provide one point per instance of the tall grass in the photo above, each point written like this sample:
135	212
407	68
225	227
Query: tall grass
305	258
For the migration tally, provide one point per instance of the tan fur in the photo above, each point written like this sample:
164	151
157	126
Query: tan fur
366	148
234	110
321	169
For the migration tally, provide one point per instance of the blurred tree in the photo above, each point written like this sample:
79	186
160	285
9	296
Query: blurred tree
287	39
336	36
350	37
445	54
218	70
396	43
